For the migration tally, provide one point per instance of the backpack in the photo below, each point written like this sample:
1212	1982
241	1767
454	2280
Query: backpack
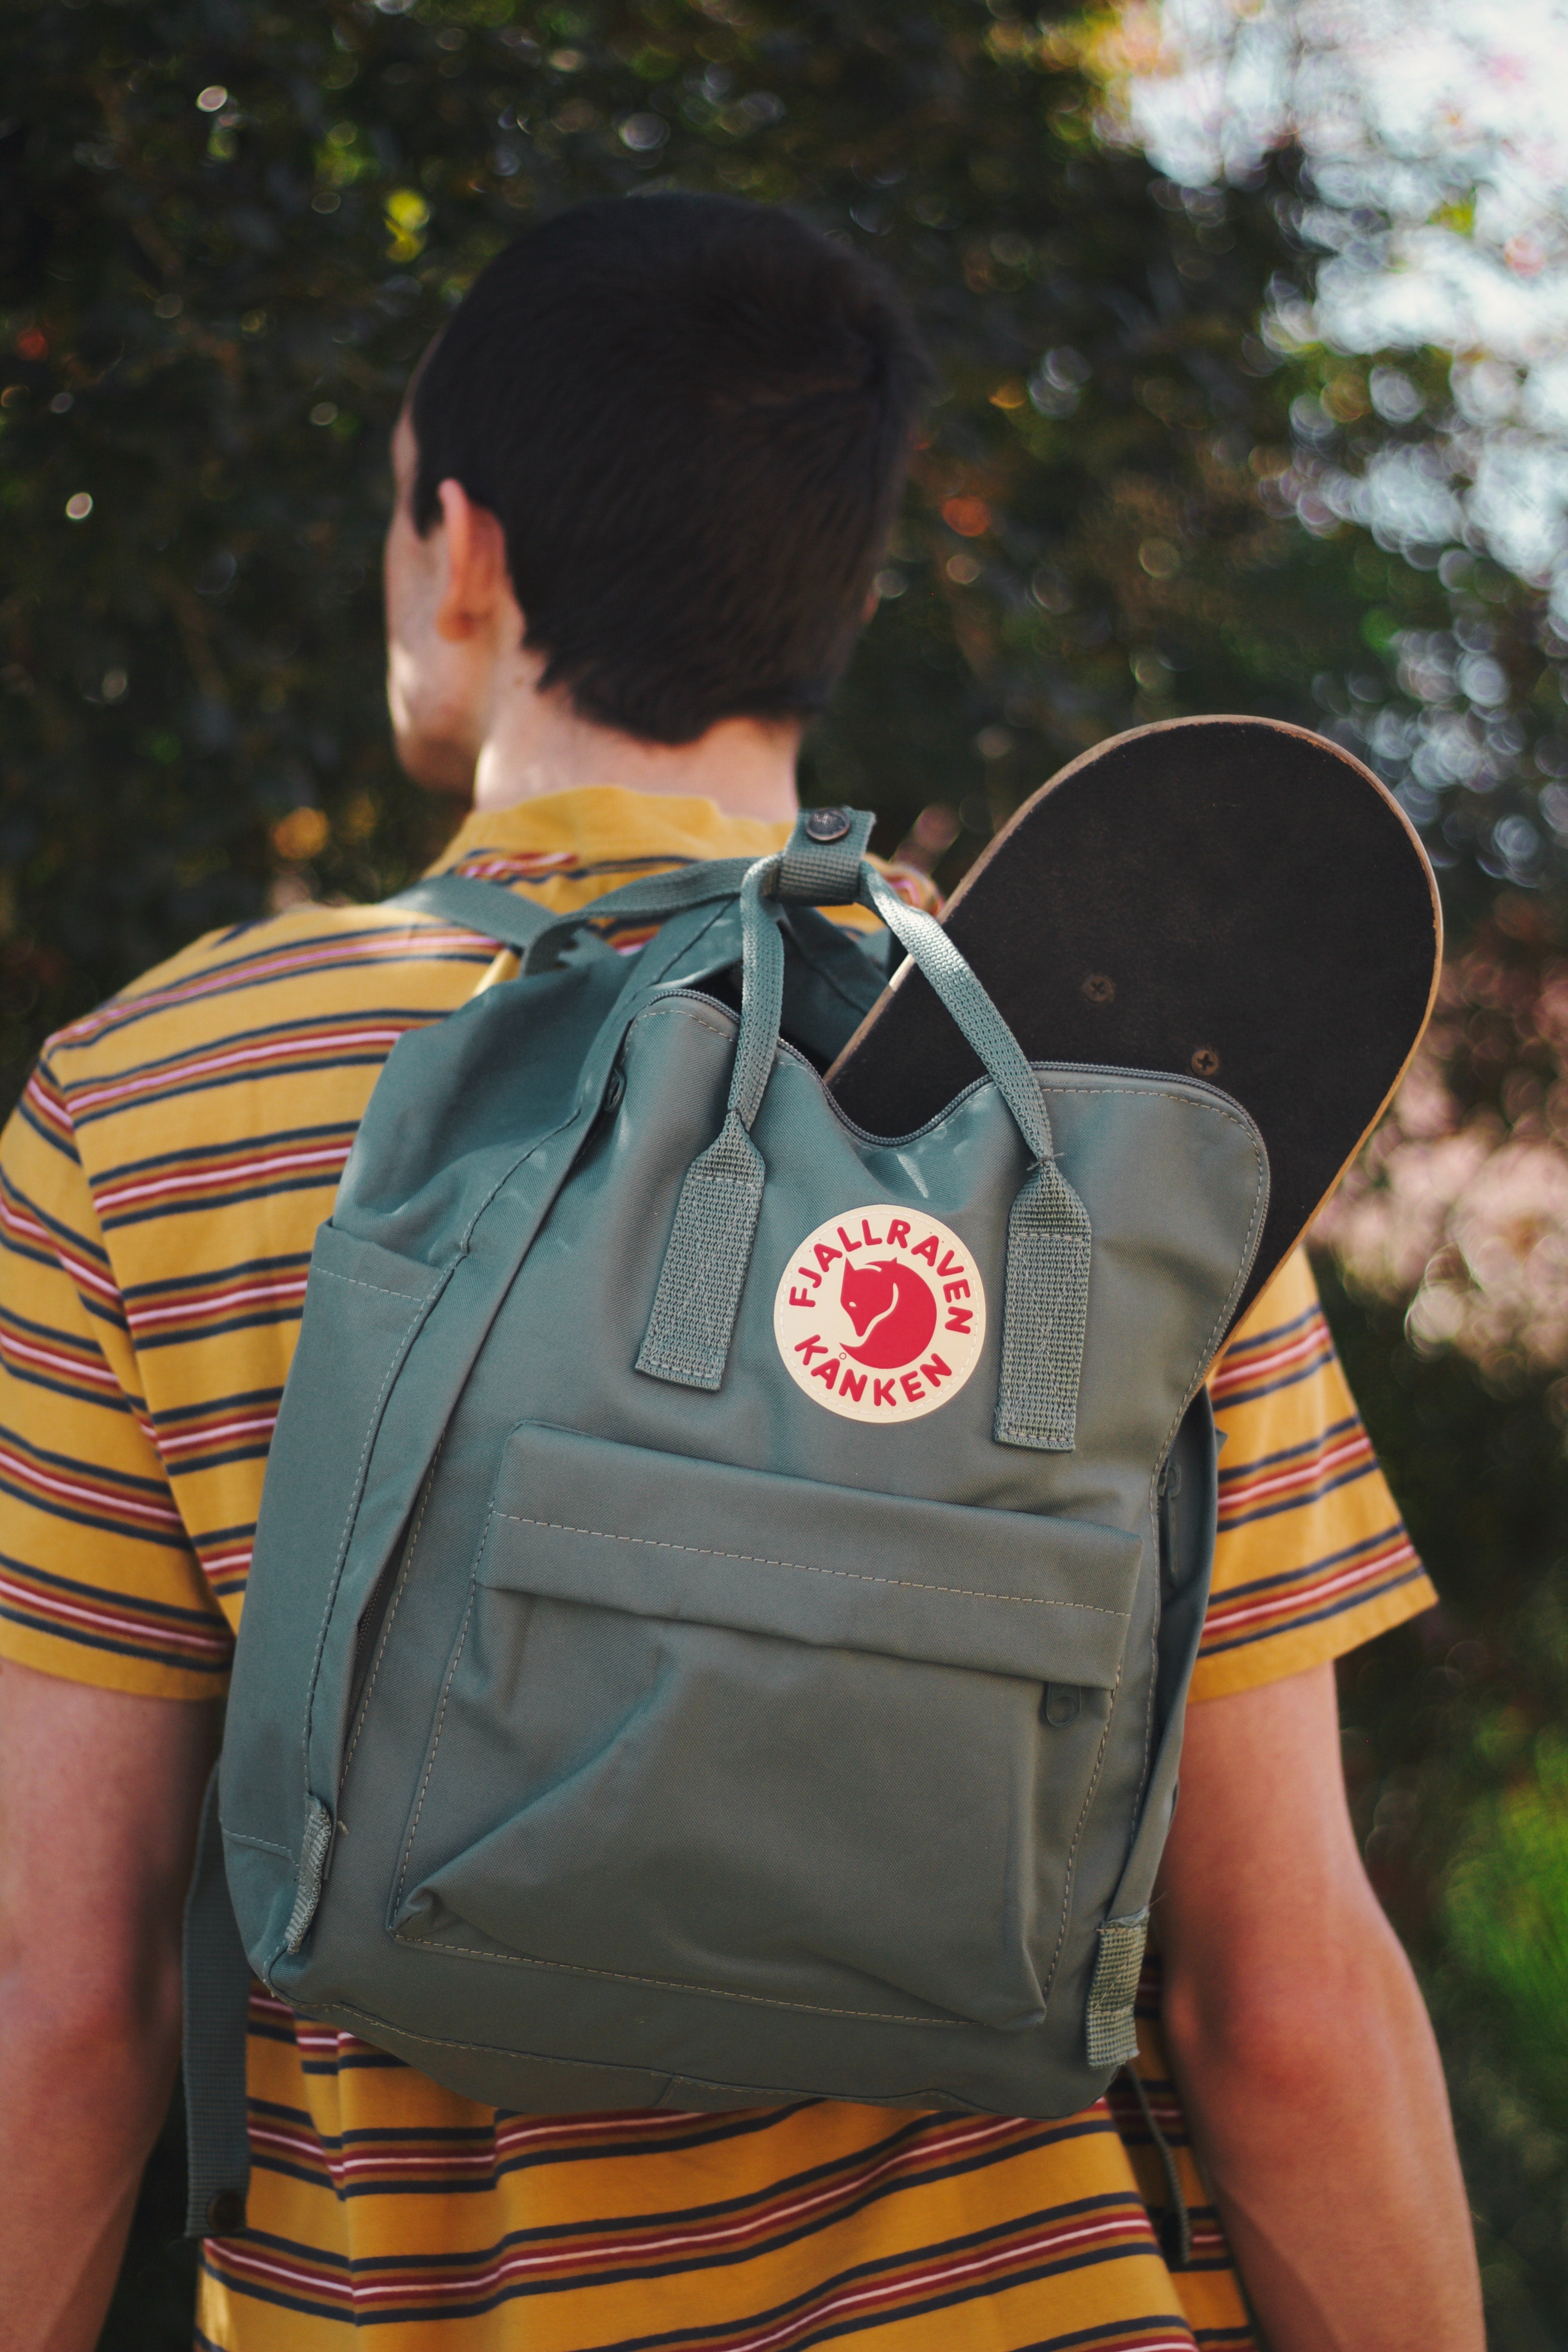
727	1583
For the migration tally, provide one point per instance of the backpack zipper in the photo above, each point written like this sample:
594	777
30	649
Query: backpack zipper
1073	1069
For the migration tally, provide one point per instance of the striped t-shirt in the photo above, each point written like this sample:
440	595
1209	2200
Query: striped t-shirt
160	1187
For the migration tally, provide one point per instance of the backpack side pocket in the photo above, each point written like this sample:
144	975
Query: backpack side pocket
362	1308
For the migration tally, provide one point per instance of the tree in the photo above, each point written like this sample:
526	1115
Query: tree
227	234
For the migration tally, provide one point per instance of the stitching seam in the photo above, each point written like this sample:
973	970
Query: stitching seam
238	1837
436	1736
355	1493
809	1568
413	1298
1070	1872
664	1011
1205	1355
678	1984
386	1629
1060	1081
489	2049
1158	1615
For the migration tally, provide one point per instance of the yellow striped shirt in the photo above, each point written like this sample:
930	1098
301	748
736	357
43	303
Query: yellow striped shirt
160	1187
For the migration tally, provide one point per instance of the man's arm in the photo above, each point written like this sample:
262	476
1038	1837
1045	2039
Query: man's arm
1301	2045
100	1794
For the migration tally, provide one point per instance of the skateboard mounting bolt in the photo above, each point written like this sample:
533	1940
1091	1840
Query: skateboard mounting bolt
1099	988
826	823
1206	1062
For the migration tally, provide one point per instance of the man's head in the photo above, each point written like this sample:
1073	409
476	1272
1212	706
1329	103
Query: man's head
674	430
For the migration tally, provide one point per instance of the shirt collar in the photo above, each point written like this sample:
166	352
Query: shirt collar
599	827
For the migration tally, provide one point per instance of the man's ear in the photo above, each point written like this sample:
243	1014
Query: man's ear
477	581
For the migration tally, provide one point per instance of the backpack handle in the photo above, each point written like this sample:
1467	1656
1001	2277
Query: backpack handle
710	1248
1046	1309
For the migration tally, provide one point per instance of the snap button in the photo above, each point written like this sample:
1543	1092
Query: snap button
826	824
225	2213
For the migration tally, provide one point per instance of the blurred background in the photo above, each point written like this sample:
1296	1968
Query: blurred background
1252	324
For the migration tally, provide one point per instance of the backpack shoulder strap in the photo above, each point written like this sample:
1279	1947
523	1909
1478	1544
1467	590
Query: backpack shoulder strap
820	866
488	908
498	913
217	1998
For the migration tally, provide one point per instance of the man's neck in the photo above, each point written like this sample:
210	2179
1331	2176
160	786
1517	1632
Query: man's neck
540	744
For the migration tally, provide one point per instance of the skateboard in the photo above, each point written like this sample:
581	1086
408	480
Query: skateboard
1233	900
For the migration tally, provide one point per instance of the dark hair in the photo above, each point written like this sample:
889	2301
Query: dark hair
691	416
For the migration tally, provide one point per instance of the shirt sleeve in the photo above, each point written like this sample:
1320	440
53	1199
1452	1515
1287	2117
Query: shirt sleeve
1312	1558
97	1580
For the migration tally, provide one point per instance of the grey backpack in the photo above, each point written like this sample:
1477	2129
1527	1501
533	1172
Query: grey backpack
727	1583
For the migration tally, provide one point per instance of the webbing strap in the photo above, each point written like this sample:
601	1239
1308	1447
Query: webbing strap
709	1246
705	1262
811	872
1044	1316
1047	1304
539	933
967	1000
315	1844
217	1997
1175	2223
822	856
709	1252
488	908
1109	2027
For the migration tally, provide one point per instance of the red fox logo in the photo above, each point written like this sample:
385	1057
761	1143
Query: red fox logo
893	1311
835	1291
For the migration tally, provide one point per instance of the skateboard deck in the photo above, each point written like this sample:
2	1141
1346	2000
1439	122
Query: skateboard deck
1234	899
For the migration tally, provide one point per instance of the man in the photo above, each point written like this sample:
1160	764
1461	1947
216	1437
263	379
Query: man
643	483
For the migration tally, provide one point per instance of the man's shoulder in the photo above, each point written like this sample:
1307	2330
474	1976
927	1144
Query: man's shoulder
264	1030
285	973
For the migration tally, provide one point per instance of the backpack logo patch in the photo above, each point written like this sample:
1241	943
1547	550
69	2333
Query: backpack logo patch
881	1315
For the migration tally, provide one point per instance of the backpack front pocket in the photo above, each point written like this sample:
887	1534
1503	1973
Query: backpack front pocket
759	1738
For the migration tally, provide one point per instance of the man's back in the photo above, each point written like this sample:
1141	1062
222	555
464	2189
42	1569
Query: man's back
643	482
209	1111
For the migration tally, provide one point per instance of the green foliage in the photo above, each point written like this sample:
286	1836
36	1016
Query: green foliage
229	231
1506	1902
1456	1768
